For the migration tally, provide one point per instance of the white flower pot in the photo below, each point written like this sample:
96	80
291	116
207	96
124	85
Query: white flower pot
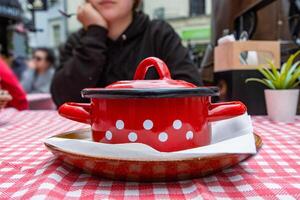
282	104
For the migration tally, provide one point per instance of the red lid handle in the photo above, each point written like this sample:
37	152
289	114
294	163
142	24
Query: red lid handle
160	66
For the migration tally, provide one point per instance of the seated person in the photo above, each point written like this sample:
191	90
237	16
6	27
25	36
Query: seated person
10	86
113	41
38	76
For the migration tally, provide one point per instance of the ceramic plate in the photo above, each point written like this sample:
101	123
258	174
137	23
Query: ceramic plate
146	171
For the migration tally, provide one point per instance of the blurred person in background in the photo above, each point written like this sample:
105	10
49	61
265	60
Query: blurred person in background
114	39
39	73
11	91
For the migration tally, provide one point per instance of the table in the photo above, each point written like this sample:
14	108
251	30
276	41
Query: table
40	101
28	170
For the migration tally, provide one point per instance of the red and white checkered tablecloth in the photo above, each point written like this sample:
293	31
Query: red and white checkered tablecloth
40	101
28	170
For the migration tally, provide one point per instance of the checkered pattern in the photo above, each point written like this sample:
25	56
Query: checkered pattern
28	170
40	101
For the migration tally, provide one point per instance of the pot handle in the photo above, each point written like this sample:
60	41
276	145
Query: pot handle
225	110
158	64
79	112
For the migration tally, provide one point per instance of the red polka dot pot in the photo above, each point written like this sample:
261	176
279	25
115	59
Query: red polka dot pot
166	114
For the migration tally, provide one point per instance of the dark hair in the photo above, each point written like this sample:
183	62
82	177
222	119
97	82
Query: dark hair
136	4
50	56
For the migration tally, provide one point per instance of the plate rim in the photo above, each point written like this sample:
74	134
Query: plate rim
258	144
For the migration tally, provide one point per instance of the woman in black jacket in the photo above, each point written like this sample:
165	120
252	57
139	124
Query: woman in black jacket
115	38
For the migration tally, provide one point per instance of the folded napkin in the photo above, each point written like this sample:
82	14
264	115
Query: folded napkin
228	136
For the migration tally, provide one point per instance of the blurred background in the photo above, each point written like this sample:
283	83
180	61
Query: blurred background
34	23
27	24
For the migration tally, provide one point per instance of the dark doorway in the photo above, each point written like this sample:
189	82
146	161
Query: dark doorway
3	36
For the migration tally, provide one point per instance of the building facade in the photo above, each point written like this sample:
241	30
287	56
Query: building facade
190	18
50	26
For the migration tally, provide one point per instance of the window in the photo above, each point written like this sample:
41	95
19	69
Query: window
56	35
197	7
52	2
159	13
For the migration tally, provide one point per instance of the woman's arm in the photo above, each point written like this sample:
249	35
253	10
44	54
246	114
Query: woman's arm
83	57
10	83
82	62
170	49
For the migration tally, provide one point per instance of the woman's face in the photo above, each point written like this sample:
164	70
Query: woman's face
113	9
40	60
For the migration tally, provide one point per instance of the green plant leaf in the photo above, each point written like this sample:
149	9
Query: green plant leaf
296	75
271	79
270	83
294	79
266	82
293	69
283	68
266	73
289	65
295	85
274	73
285	78
273	68
270	76
290	61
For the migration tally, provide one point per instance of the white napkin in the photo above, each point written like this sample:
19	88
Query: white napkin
226	39
228	136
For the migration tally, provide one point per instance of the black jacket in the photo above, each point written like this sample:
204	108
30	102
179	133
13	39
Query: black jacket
90	59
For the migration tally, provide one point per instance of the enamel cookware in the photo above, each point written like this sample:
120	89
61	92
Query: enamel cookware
166	114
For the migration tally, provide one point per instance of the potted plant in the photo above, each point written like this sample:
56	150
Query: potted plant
283	93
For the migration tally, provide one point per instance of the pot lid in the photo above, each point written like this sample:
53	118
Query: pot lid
165	81
165	86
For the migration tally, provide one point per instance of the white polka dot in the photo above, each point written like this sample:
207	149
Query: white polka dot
132	137
177	124
108	135
163	137
148	124
119	124
189	135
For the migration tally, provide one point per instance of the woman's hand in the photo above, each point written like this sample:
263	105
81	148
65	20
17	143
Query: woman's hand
5	97
88	16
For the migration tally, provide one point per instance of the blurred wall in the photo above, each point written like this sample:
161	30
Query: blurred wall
172	8
72	23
